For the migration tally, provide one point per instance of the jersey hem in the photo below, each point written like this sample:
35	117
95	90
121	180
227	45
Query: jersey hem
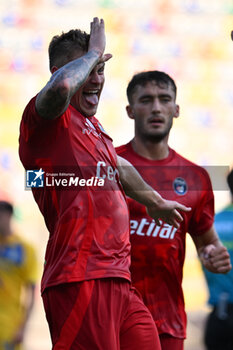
81	279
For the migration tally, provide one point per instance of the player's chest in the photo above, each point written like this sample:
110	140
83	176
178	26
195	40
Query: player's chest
174	182
89	141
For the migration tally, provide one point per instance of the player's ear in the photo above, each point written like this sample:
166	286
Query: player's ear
177	111
129	112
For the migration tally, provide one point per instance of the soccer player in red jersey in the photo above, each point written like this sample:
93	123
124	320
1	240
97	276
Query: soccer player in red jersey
86	290
158	250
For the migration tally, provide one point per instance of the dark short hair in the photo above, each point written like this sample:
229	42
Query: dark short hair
230	181
160	78
6	207
63	47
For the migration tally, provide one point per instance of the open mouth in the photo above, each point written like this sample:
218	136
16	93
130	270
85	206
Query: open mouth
91	97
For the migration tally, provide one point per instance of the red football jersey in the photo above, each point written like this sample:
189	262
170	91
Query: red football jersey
158	252
88	224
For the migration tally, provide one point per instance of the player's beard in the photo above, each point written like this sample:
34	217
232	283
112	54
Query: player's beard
155	136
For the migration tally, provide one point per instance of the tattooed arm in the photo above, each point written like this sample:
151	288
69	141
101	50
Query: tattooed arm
54	98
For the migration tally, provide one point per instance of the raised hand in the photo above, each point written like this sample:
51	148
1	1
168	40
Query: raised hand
97	40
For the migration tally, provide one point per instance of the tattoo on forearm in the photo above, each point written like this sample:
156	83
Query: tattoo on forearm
55	97
78	70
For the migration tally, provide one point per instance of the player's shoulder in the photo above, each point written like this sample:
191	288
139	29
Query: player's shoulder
32	101
193	166
121	150
183	159
30	107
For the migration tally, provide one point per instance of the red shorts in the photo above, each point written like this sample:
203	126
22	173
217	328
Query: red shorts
103	314
169	342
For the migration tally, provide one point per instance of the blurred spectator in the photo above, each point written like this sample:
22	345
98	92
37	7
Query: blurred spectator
219	327
17	282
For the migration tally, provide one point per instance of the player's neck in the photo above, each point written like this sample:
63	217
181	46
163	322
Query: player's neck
151	150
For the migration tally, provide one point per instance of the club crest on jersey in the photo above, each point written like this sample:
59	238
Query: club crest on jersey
180	186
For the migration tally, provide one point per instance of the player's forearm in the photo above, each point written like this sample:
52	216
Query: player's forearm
210	237
141	192
55	97
134	185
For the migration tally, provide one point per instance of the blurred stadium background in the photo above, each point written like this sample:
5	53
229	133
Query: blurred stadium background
189	39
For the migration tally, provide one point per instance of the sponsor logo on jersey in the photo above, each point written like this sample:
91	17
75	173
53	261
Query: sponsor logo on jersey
148	228
106	171
90	129
180	186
